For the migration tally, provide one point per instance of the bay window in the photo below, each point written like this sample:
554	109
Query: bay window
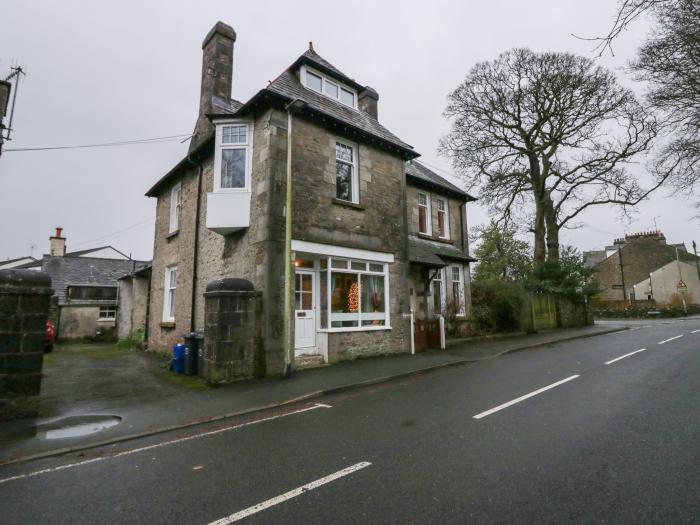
443	219
439	292
353	295
346	183
232	169
458	290
424	219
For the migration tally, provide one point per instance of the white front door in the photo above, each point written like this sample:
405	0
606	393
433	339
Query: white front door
304	313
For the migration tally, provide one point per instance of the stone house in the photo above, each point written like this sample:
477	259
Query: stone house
132	304
368	221
672	284
84	304
629	261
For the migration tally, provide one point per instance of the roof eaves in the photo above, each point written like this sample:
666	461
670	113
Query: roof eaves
155	189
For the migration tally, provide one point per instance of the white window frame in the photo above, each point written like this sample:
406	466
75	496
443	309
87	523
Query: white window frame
108	309
459	281
439	277
168	298
355	175
220	146
359	316
324	80
175	207
428	213
446	213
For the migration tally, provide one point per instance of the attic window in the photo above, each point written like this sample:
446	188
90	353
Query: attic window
330	88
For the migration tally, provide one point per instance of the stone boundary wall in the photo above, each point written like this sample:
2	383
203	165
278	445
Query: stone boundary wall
25	297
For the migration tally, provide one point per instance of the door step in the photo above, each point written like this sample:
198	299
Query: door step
304	361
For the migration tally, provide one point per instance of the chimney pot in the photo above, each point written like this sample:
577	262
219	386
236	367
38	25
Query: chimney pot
57	244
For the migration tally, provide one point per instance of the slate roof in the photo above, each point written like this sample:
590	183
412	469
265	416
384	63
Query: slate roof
314	59
89	271
287	86
230	106
10	261
421	174
433	253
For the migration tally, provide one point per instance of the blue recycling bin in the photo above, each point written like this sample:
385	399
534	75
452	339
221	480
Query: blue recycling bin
178	362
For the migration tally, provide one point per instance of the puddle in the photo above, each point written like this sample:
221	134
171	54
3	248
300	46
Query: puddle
76	426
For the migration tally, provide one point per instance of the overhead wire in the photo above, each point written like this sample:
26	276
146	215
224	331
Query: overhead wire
153	140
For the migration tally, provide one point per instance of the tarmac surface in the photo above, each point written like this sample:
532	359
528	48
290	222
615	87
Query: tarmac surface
103	380
600	429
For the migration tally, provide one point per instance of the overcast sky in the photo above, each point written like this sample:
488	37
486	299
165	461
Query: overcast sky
111	71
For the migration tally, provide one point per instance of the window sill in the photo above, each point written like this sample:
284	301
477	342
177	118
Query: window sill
435	238
112	320
354	329
349	204
172	234
167	324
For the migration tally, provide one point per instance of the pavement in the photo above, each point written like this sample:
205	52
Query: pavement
94	380
601	429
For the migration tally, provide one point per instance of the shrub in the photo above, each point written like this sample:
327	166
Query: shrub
496	306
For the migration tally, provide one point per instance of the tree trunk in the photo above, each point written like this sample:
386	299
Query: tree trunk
540	251
552	231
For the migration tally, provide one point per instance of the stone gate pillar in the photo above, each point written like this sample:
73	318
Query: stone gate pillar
233	346
24	306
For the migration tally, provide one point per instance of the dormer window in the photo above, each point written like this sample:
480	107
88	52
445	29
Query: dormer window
323	85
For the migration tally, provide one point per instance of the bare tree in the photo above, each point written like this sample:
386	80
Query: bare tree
668	61
547	133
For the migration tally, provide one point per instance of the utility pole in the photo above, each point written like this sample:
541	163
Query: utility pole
697	263
622	273
5	89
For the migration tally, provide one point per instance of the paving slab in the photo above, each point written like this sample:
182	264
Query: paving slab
104	380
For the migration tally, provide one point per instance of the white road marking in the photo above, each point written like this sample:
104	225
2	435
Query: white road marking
523	398
623	356
163	444
695	331
289	495
671	339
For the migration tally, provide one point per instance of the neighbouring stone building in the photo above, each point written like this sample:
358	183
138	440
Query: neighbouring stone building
84	304
372	229
629	261
132	304
673	284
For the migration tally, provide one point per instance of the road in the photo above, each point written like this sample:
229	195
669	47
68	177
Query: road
604	430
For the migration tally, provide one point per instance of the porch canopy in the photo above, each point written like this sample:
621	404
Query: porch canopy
434	254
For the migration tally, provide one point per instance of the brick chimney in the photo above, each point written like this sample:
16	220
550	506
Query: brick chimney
57	244
217	74
367	100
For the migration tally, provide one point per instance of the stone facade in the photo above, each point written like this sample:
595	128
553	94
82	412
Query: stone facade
377	223
233	346
422	300
24	306
132	308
